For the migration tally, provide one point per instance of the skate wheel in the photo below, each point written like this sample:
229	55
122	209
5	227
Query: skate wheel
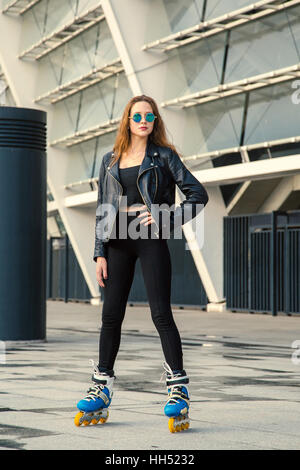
78	418
94	421
171	425
103	420
85	423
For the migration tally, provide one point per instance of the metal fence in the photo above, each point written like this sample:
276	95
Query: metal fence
65	280
262	262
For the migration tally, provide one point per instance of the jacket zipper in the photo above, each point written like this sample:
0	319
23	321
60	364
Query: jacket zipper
155	184
119	196
137	183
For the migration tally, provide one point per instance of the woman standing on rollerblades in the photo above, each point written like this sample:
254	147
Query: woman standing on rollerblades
138	177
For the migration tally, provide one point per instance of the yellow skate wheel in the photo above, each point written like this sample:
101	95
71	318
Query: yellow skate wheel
178	428
77	418
171	425
94	421
103	420
86	423
187	425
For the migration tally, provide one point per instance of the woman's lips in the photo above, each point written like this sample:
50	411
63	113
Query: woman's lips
143	128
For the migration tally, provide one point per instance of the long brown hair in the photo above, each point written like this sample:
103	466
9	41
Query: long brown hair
158	135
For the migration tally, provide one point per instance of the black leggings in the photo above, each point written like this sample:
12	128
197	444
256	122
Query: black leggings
156	268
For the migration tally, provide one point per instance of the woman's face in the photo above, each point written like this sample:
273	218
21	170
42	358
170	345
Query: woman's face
142	128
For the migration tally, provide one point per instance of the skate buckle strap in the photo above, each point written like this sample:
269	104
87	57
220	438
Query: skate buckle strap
173	378
177	380
176	395
96	392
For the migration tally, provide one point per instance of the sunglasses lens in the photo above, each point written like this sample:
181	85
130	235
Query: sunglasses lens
150	117
137	117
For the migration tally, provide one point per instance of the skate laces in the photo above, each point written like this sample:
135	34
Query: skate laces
169	373
175	391
95	391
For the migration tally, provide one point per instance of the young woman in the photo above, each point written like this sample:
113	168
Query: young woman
136	179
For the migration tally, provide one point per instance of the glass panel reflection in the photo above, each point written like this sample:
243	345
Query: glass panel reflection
272	114
262	46
187	13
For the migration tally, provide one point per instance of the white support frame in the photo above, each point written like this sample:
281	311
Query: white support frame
3	86
90	181
251	171
243	150
217	25
82	136
94	76
18	7
235	88
279	195
68	31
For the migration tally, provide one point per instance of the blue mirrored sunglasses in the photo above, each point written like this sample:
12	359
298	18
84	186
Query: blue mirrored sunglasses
137	117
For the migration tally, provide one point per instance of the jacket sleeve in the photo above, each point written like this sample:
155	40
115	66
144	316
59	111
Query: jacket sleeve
100	248
196	195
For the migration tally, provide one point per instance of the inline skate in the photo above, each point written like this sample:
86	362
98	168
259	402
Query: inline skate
94	406
177	406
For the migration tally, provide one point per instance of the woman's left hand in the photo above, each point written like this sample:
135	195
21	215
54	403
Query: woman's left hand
148	219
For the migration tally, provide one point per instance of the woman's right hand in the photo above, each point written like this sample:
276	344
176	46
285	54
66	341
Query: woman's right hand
101	270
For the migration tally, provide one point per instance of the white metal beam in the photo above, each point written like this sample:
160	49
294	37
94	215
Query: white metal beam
241	172
238	195
91	182
18	7
258	170
252	12
94	76
235	88
121	45
242	149
82	199
82	136
280	194
51	206
73	28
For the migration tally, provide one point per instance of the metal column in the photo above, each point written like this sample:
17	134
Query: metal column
23	189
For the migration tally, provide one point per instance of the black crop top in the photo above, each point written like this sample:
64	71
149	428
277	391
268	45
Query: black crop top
128	177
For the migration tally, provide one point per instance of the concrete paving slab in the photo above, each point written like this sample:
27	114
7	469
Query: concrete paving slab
244	385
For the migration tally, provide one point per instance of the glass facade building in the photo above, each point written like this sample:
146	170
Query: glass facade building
226	76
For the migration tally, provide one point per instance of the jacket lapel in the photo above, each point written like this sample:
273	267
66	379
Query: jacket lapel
145	165
114	171
147	161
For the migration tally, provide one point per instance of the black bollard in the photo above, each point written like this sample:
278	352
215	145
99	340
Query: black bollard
23	224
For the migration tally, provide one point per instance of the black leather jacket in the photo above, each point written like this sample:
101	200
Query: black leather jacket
160	170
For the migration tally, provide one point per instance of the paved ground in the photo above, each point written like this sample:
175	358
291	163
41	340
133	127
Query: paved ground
244	385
